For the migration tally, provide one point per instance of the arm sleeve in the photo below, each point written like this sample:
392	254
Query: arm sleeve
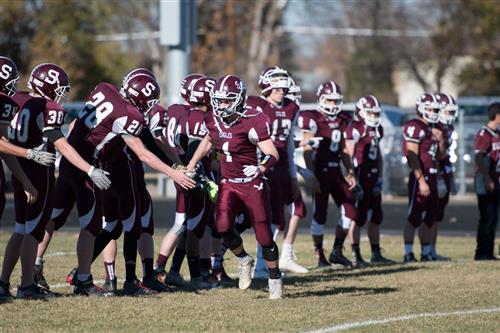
53	134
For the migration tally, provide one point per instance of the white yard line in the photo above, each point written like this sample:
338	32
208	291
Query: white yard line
356	324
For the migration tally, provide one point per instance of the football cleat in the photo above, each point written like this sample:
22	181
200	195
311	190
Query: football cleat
160	274
110	285
5	295
154	284
200	283
322	261
71	277
88	288
358	261
135	288
275	288
336	257
409	258
221	276
426	258
39	278
245	274
175	279
379	259
287	263
33	292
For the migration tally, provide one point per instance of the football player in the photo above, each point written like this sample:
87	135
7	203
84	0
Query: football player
446	180
363	137
38	123
423	145
235	131
274	83
332	168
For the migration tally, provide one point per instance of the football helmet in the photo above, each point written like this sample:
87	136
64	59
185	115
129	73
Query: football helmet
274	78
142	91
228	96
368	109
428	108
330	91
449	108
200	91
139	70
294	92
8	76
186	85
49	81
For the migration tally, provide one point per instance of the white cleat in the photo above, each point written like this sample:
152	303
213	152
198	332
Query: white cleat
245	274
288	264
275	288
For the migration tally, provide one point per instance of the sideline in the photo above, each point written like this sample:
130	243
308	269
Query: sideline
347	326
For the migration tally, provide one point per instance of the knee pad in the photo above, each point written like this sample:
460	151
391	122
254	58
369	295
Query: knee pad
316	228
178	228
270	253
232	239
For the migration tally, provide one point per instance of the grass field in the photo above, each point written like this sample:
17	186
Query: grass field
320	299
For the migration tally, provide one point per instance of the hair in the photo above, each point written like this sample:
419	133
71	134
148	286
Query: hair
493	110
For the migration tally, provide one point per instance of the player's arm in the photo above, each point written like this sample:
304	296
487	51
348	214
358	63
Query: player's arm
151	144
346	157
270	155
442	149
154	162
414	163
202	151
167	150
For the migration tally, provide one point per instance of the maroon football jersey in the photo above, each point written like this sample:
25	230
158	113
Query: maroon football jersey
176	119
281	118
416	131
445	164
237	143
8	109
488	141
35	115
330	129
366	140
113	117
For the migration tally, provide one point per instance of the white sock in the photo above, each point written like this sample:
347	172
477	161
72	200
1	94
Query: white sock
426	250
83	277
39	261
245	259
287	249
408	248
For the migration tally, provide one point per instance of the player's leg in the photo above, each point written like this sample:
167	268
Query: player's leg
414	219
429	219
288	260
320	202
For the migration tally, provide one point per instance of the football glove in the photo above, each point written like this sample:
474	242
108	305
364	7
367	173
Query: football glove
99	177
251	170
41	157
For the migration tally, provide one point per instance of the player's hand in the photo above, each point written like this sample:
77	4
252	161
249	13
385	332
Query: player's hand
99	177
187	172
358	192
314	142
182	179
490	184
423	187
251	170
31	193
41	157
294	186
437	134
351	181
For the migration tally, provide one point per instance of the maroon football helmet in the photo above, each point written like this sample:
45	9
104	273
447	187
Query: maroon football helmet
428	108
228	96
274	78
449	108
50	81
200	90
187	83
8	76
330	91
142	91
139	70
368	109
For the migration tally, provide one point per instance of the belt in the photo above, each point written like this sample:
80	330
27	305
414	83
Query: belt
432	170
240	180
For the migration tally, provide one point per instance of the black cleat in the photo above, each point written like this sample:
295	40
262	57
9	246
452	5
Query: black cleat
358	261
33	292
409	258
5	295
336	257
39	278
88	288
379	259
110	285
71	277
154	284
426	258
137	289
322	261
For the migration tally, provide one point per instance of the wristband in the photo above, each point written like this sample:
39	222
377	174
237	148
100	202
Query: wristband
268	161
91	170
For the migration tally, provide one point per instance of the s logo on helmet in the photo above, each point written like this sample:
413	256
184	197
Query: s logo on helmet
148	89
238	84
5	72
210	84
52	76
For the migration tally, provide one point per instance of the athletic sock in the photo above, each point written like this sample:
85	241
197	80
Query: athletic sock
161	261
147	267
130	255
39	261
194	266
408	248
177	260
274	273
109	268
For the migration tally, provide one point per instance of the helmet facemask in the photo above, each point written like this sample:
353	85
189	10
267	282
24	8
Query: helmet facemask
448	114
10	87
331	104
430	111
371	116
